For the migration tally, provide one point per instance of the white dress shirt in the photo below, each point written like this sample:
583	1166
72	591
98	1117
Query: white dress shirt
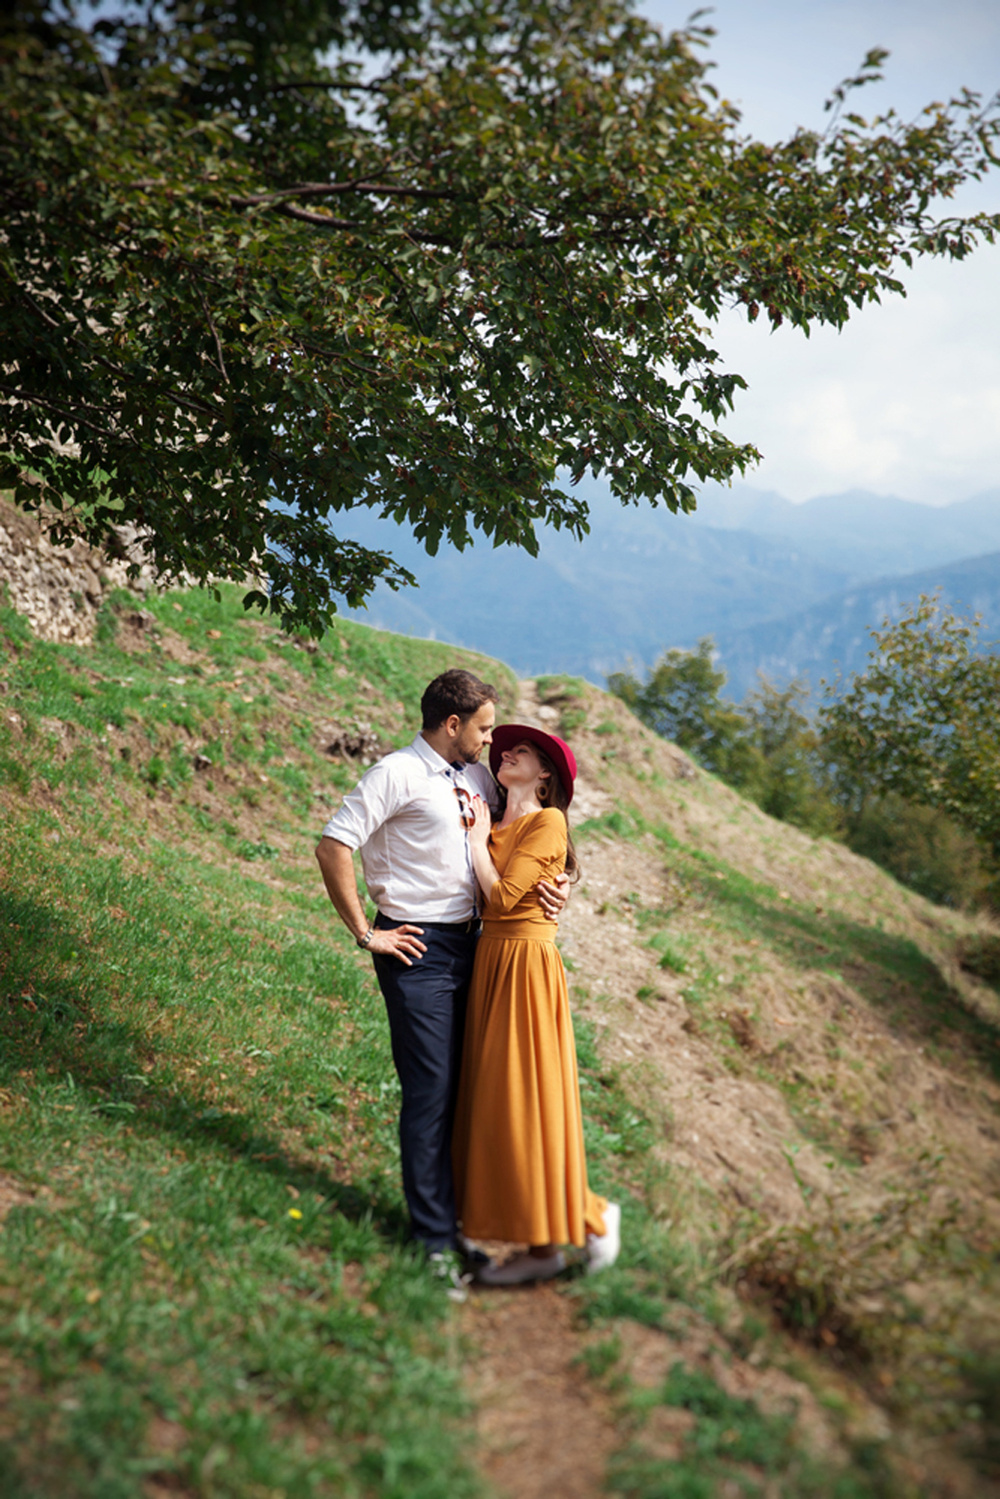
405	817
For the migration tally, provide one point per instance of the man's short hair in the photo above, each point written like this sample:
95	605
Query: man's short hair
454	691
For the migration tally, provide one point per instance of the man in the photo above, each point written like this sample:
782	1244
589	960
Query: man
409	817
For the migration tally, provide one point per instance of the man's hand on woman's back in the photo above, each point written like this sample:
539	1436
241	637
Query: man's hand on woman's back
553	895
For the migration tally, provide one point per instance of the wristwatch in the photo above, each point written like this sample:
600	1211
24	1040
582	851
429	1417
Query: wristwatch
366	940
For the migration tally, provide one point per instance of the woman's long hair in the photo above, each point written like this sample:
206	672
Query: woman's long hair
555	796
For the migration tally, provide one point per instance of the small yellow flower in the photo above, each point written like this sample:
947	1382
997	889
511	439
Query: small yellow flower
294	1213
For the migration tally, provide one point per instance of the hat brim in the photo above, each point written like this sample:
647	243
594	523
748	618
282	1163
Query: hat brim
507	734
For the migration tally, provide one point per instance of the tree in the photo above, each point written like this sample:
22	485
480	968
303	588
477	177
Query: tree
264	264
680	700
923	720
923	847
791	780
765	747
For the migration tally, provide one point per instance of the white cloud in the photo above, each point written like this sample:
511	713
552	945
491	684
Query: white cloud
906	398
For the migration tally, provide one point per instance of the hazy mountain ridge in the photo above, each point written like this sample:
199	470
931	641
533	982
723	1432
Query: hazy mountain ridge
868	533
640	581
738	569
833	637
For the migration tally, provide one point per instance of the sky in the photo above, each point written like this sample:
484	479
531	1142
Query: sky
905	400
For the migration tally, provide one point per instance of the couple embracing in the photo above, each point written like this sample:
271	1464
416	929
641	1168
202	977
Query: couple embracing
469	871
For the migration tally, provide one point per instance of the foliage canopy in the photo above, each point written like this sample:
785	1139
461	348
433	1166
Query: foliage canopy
260	266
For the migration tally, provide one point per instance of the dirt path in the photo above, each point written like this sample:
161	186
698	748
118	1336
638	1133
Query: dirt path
544	1427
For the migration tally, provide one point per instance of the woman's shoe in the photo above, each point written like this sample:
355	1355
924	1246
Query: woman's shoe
522	1269
602	1249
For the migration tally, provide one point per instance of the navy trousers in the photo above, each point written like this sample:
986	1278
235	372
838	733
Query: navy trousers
426	1008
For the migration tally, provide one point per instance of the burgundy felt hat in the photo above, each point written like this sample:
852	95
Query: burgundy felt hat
558	751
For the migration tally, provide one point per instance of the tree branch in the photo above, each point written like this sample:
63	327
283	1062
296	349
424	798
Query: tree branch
72	414
367	88
215	334
327	221
329	189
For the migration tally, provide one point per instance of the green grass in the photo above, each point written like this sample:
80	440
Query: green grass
205	1282
204	1092
251	696
205	1278
732	1448
669	950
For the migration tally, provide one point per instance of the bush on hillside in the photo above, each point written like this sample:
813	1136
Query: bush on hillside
980	954
923	847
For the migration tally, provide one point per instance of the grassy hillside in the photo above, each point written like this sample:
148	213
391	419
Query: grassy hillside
788	1075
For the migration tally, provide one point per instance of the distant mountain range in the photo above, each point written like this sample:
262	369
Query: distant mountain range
867	534
833	637
784	588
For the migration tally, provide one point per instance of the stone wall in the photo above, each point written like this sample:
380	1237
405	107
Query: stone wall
60	589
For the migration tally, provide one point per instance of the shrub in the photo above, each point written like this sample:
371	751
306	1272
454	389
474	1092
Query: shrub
923	847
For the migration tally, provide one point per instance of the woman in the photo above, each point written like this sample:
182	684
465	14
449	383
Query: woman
520	1171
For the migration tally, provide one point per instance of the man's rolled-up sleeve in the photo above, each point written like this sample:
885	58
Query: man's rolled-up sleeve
363	811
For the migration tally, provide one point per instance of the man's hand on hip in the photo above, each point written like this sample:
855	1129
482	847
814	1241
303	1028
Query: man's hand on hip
402	942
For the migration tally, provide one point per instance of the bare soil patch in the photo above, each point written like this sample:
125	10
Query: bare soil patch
871	1087
544	1427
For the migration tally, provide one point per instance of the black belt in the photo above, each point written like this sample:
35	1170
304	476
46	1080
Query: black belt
472	925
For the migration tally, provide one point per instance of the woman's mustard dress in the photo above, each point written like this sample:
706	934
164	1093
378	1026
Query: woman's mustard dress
520	1170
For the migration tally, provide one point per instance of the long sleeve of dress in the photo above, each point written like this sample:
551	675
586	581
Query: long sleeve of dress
539	854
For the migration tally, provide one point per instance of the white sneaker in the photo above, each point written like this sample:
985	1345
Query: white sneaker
522	1269
602	1249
